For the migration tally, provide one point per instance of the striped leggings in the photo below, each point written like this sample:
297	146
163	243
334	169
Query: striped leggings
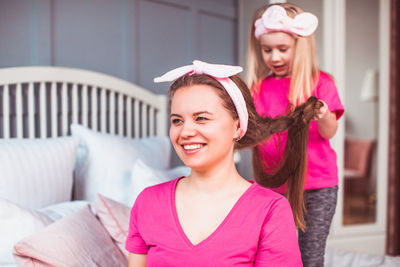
320	207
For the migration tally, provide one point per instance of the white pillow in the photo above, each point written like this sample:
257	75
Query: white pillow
60	210
104	162
77	240
17	223
37	172
143	176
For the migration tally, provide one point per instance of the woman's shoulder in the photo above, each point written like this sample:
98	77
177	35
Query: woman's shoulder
266	203
158	190
266	195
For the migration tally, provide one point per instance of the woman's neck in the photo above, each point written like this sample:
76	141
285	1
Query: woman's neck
214	180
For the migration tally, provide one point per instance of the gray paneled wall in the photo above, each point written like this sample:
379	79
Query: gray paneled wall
135	40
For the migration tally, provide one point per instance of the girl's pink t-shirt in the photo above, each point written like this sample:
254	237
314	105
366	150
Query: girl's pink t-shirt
272	101
258	231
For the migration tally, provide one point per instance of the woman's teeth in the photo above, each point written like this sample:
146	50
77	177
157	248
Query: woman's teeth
191	147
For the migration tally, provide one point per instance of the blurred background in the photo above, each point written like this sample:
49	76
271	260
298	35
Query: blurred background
137	40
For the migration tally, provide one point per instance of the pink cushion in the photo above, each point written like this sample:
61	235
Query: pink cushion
358	156
115	218
78	239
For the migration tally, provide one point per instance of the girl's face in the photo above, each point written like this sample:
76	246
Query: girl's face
277	49
202	129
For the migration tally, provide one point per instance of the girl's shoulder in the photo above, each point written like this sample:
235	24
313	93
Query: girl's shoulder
325	77
326	82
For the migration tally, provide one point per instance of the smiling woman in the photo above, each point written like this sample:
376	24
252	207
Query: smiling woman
203	132
205	219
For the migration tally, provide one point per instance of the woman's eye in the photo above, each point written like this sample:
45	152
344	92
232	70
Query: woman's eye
283	50
267	50
176	121
201	119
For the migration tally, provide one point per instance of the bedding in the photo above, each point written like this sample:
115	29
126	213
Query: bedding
104	162
143	176
115	218
17	222
113	167
42	179
78	239
37	172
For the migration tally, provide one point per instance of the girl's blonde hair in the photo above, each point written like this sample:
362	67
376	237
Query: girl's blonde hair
304	70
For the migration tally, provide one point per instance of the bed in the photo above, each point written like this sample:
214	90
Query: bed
76	148
44	101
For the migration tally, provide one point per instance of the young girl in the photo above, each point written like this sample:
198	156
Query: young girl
283	71
214	217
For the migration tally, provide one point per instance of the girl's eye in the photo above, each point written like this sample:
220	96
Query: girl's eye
283	50
267	50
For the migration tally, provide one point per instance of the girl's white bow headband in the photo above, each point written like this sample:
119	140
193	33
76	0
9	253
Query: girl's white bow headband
221	73
276	19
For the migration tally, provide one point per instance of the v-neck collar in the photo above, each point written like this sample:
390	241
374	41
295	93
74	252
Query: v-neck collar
220	226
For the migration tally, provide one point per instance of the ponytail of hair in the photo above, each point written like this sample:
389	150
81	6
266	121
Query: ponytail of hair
293	165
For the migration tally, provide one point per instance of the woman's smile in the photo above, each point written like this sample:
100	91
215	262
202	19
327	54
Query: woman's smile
202	131
191	148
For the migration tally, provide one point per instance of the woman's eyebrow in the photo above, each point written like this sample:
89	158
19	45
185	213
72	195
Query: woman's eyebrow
194	114
202	112
175	115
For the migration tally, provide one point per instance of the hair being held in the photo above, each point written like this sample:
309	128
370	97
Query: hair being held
294	162
293	165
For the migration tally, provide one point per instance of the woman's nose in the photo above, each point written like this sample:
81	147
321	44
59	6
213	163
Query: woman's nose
188	129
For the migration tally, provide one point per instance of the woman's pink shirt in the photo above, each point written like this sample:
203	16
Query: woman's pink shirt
258	231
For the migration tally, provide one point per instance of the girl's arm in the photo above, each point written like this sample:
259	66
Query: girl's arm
327	123
137	260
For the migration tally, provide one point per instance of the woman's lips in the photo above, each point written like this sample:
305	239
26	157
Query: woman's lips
192	147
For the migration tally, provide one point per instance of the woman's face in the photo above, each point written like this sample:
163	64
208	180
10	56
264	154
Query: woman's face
202	129
277	49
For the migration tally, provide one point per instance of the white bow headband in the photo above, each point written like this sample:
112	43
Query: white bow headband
221	73
276	19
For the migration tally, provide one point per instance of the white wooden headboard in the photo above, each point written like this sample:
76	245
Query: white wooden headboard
41	102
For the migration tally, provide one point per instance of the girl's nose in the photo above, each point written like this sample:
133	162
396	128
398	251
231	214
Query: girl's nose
275	55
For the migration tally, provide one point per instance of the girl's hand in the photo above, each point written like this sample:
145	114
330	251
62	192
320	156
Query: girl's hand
322	112
326	120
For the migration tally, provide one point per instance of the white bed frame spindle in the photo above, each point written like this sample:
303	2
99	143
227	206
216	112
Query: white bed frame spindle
33	95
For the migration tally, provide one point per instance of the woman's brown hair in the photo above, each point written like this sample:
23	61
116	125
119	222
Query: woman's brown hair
293	165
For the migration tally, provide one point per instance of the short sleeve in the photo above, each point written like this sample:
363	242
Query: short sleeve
134	242
278	245
328	92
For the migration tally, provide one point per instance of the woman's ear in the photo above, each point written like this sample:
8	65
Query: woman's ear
237	130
